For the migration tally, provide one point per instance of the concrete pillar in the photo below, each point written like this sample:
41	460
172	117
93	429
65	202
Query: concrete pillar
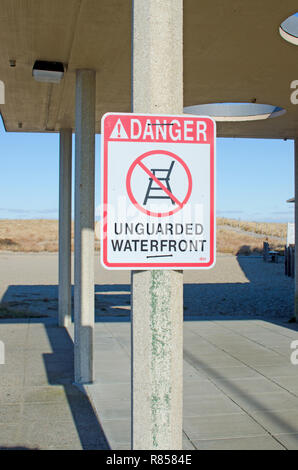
157	296
84	225
296	229
64	296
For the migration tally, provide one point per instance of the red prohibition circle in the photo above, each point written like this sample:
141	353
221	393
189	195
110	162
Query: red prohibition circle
138	161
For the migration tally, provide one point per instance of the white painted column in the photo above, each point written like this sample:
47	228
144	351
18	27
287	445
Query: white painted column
84	225
64	289
296	229
157	296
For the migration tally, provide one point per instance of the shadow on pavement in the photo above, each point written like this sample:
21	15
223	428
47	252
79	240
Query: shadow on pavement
59	366
267	292
227	301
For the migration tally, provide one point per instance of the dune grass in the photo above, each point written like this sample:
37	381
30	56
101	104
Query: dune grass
42	236
262	228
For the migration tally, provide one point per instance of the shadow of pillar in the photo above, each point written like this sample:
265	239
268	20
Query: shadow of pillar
60	371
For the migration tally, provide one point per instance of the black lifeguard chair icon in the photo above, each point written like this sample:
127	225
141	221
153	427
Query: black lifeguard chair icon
164	177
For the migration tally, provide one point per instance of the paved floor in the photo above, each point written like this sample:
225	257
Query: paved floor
39	406
242	285
240	388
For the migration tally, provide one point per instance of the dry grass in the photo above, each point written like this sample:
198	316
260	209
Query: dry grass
236	243
29	235
32	236
263	228
42	236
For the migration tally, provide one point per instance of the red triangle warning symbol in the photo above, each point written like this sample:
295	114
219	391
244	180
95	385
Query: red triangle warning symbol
119	131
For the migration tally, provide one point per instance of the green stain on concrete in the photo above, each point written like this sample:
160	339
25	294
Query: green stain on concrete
167	398
161	336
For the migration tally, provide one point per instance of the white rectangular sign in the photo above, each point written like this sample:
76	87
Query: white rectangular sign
158	182
291	234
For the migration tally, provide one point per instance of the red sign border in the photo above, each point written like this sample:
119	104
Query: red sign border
104	168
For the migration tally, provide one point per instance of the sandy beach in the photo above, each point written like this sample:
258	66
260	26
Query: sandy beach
236	286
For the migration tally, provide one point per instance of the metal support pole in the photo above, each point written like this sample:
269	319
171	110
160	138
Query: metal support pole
296	228
64	296
157	296
84	225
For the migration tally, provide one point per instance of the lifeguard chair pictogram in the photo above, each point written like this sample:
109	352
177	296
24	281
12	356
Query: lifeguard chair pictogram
165	178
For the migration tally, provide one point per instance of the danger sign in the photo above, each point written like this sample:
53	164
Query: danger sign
158	182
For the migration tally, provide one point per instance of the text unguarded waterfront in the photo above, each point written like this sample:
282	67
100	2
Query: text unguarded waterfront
158	229
158	245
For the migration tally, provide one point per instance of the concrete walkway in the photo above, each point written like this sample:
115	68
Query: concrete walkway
240	389
39	406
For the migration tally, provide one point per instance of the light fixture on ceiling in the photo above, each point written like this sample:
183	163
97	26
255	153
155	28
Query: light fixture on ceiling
289	29
233	112
48	72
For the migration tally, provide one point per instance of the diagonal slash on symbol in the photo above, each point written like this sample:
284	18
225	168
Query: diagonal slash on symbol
162	186
166	190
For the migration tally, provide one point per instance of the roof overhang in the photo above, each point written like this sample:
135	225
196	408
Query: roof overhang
233	52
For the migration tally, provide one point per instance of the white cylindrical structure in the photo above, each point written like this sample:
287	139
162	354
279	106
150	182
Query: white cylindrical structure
84	225
157	296
64	289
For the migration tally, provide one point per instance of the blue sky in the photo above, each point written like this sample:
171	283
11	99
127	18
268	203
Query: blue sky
254	177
